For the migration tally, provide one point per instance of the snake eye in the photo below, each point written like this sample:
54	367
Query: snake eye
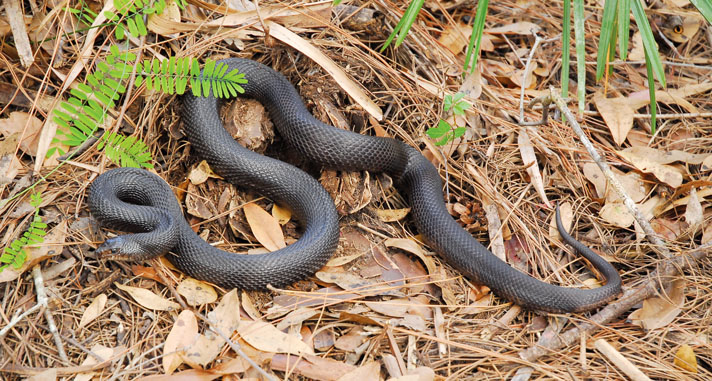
115	250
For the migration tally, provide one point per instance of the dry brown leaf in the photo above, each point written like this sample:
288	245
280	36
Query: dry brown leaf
392	308
455	37
617	113
567	217
523	27
648	160
685	358
268	338
28	126
530	162
9	164
201	173
616	214
370	371
311	367
196	205
103	352
52	245
156	22
93	311
304	46
281	214
225	318
196	292
148	299
658	312
340	261
352	339
352	282
593	174
694	211
182	335
47	375
265	227
392	215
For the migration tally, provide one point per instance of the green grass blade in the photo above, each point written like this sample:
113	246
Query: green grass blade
604	42
623	27
651	90
705	8
566	50
473	47
580	36
648	40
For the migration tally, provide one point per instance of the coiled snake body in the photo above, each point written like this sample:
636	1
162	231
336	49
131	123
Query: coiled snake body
138	201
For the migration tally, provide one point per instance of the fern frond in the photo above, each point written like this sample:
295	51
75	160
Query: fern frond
173	75
14	254
126	151
81	115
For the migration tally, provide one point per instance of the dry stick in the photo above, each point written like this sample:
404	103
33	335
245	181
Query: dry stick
658	244
670	267
42	299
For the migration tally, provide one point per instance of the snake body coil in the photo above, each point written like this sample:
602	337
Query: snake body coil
138	201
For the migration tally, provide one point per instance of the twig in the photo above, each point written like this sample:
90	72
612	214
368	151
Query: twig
527	70
620	361
631	297
658	244
42	299
19	32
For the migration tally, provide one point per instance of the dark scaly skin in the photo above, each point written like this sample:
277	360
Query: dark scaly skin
335	148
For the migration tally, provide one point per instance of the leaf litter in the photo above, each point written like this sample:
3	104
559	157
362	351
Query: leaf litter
385	307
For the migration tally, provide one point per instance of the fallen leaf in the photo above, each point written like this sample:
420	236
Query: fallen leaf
660	311
352	282
352	339
455	37
340	261
268	338
281	214
391	308
197	205
370	371
225	318
392	215
265	227
28	126
526	150
685	358
201	173
52	245
196	292
617	113
616	214
9	164
694	210
182	335
312	367
148	299
567	217
93	311
523	27
650	160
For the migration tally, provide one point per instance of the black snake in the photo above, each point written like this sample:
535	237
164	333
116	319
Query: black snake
138	201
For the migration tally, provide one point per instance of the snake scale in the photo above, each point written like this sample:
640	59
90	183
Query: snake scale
140	202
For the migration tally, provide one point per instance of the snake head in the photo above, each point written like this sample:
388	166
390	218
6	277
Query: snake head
121	248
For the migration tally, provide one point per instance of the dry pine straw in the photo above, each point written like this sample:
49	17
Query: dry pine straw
409	110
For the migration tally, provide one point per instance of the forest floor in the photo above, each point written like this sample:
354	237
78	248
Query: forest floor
385	306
